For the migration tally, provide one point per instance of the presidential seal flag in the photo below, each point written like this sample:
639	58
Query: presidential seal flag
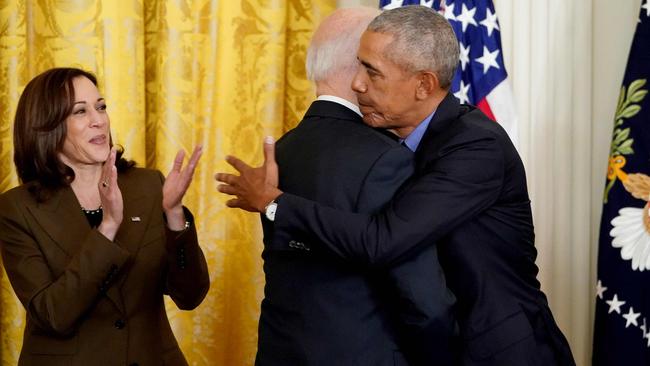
622	325
481	77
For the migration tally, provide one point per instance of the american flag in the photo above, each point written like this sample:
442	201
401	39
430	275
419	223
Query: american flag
481	77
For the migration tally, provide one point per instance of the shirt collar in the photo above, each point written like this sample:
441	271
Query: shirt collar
412	141
341	101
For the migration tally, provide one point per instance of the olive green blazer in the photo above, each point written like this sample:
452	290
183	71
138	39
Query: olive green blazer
90	301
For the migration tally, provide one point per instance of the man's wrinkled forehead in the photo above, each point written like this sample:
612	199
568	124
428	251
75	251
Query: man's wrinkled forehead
378	50
373	45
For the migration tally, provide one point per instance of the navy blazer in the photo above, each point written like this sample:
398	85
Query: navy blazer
319	309
469	196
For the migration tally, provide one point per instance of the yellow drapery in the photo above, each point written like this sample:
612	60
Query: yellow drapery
174	73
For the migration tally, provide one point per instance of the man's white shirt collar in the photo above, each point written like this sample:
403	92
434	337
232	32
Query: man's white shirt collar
341	101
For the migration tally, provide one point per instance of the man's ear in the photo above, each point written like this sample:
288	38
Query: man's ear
427	84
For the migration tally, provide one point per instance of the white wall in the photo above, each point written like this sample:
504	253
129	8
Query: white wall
566	61
613	29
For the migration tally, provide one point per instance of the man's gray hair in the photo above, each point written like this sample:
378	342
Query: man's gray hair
423	40
335	51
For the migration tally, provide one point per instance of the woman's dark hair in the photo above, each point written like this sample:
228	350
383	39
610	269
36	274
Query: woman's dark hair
40	131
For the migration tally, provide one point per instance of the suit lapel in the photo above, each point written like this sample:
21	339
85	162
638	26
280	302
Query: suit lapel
137	214
62	219
137	211
434	137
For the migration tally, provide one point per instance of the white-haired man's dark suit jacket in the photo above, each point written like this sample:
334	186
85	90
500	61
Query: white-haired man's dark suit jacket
320	310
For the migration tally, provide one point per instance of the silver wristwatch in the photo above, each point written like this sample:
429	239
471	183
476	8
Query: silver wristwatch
269	210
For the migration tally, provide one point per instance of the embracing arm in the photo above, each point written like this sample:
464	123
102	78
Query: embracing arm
453	189
463	181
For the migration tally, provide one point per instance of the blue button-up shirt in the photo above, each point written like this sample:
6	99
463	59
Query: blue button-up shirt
412	141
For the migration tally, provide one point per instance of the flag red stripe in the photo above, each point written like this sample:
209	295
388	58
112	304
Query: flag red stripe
485	107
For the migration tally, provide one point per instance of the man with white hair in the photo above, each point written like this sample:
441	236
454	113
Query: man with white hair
317	308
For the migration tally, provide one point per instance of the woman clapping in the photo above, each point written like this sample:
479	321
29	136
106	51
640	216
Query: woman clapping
91	243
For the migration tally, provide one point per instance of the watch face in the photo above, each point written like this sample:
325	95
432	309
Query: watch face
270	211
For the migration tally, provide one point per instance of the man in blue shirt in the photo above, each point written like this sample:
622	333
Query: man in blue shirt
468	196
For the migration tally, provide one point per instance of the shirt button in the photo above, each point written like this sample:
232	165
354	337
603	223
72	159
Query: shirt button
119	324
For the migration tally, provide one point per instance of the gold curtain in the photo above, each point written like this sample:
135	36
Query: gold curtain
175	73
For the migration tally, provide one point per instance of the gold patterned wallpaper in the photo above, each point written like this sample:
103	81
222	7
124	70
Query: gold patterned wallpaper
174	73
